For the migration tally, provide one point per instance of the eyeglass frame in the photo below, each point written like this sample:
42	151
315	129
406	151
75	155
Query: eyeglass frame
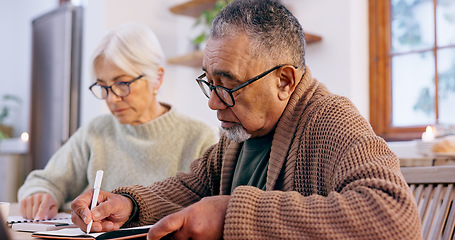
112	90
230	91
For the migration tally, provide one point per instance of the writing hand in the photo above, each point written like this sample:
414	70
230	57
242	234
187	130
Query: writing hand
39	206
112	212
201	220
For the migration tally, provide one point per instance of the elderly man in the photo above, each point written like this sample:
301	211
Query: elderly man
295	161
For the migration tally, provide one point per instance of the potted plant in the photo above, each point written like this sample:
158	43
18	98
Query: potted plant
204	22
5	110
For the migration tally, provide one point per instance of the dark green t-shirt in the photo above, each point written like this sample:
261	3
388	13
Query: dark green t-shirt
253	162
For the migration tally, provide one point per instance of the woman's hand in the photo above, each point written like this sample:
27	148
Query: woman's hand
39	206
110	214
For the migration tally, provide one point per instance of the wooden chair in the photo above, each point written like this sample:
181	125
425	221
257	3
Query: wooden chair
433	189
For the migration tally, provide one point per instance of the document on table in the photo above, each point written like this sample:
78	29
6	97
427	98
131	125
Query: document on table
19	219
43	226
61	220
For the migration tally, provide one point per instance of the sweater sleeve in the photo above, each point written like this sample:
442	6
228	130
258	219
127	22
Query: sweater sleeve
173	194
64	176
347	185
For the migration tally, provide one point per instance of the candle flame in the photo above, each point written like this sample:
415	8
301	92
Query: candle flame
429	130
24	137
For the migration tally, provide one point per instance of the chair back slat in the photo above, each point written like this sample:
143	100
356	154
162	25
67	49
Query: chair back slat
418	193
442	211
424	202
428	220
434	194
450	223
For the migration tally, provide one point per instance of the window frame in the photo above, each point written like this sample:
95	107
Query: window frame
380	76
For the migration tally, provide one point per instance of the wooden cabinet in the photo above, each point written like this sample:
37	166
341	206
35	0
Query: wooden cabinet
194	8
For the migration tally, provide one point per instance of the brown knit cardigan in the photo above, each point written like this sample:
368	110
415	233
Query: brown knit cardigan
335	179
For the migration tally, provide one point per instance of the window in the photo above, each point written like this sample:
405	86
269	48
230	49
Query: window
412	66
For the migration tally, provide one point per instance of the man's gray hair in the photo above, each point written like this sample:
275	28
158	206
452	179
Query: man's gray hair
275	34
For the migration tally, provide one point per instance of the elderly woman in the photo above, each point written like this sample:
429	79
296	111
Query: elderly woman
141	142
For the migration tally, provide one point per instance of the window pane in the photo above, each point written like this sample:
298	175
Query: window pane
446	87
413	89
412	24
445	20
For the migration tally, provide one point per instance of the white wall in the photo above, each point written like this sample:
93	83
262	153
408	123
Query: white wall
16	52
94	24
340	60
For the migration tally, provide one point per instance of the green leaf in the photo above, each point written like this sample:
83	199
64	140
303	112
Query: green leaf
12	97
200	39
3	114
5	108
206	18
2	135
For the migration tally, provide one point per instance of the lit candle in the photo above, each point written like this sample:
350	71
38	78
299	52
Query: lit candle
428	135
24	137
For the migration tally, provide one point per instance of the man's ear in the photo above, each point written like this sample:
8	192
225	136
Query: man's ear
288	82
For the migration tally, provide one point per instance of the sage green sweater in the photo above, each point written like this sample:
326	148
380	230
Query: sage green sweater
128	155
329	177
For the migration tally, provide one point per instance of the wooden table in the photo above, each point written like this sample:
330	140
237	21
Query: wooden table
426	161
15	211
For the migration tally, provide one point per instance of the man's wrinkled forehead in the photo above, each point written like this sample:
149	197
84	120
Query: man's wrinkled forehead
221	53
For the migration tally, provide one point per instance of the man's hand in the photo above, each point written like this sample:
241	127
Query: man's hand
39	206
110	214
202	220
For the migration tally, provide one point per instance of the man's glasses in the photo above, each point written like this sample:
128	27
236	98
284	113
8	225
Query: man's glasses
120	89
225	94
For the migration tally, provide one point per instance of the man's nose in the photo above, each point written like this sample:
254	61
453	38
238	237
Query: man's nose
215	102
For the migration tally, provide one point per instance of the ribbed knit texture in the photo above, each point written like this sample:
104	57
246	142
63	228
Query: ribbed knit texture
128	155
337	179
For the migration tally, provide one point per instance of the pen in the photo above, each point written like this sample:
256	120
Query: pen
96	192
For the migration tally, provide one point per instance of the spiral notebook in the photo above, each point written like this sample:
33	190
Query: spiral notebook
19	219
61	220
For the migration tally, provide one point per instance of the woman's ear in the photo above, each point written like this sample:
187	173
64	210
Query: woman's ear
160	75
288	81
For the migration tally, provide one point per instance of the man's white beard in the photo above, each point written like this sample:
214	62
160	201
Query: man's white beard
237	133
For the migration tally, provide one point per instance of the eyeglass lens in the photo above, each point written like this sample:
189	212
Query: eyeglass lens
222	93
120	89
224	96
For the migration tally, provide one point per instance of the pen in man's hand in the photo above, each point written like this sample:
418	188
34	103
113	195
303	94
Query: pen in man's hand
96	192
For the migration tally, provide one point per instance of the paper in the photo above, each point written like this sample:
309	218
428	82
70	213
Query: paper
20	219
77	233
43	225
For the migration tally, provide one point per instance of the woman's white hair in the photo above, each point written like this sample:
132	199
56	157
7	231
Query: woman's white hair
134	48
